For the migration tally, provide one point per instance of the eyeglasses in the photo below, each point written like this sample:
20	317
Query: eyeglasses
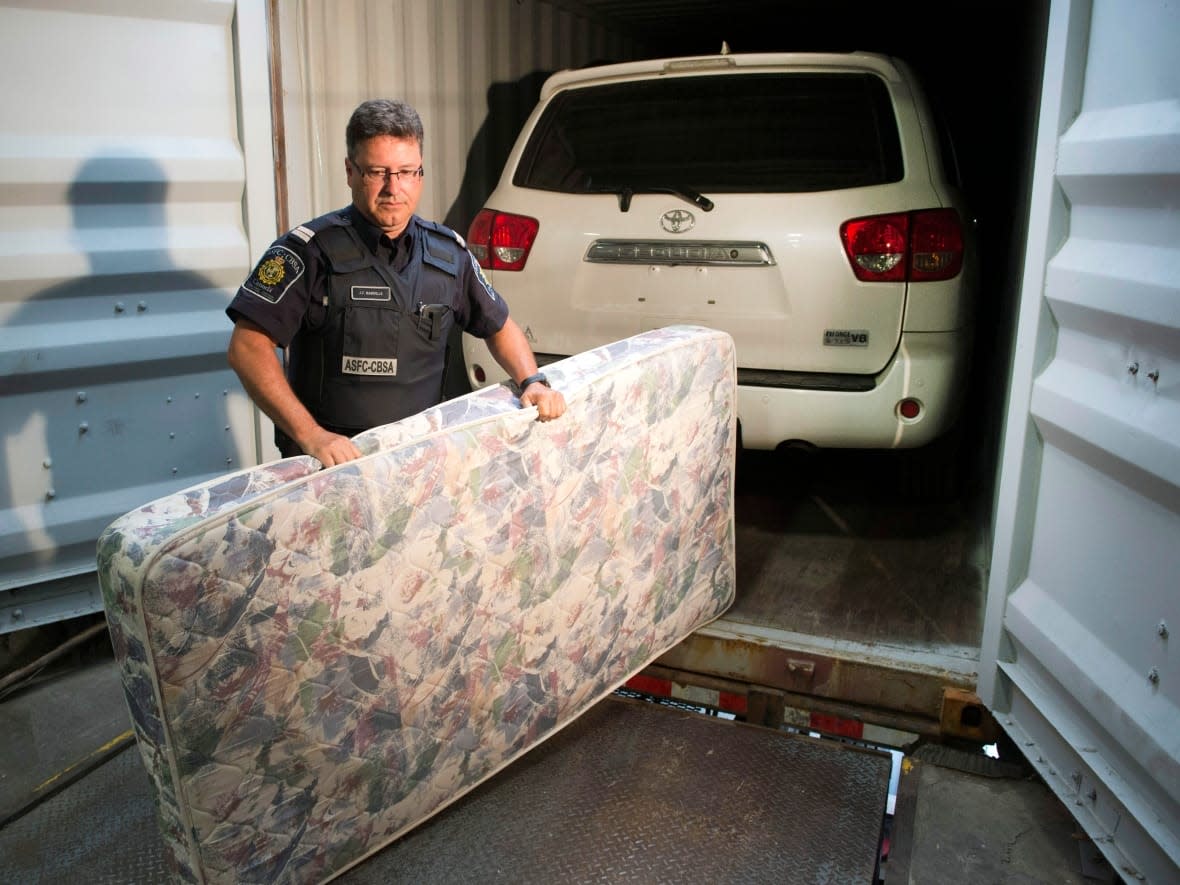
377	175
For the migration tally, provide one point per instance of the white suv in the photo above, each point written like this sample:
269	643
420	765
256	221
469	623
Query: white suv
803	203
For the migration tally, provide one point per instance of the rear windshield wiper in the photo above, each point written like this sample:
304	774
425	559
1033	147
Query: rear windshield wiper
625	194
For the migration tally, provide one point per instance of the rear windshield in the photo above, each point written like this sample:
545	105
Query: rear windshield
775	133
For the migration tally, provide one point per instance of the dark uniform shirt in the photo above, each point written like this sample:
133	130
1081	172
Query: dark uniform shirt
288	296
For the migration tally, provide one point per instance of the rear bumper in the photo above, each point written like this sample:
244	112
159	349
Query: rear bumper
930	367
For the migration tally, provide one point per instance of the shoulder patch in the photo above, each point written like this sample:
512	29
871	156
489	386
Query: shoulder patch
482	279
275	273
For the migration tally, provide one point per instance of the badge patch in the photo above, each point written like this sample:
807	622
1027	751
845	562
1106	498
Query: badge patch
367	365
846	337
371	293
278	269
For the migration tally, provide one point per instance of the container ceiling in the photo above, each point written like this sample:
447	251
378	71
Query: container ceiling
908	28
671	27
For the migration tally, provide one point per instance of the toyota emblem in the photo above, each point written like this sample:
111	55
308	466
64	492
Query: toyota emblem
677	221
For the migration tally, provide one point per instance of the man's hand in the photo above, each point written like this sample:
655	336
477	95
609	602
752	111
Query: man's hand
252	355
550	403
329	448
514	354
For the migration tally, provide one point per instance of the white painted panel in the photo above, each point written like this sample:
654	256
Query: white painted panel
122	238
1084	594
472	68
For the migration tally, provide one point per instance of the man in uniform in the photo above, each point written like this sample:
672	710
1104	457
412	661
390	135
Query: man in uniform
364	300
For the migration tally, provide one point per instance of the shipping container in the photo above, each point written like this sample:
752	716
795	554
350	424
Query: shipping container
151	151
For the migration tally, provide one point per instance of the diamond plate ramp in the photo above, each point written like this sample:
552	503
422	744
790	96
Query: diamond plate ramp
630	792
636	792
101	830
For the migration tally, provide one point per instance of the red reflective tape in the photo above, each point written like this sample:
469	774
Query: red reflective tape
837	726
650	685
732	703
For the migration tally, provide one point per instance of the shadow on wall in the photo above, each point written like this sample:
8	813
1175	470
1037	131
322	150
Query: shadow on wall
84	359
509	105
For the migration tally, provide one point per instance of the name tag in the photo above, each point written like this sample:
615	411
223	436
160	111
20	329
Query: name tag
371	293
367	365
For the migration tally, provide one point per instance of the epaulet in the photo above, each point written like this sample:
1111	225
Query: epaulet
309	229
443	229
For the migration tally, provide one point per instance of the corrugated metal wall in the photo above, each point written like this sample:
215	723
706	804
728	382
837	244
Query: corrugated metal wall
121	239
1084	597
139	188
472	68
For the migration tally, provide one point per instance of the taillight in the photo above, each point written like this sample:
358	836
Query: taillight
936	245
501	241
876	246
915	246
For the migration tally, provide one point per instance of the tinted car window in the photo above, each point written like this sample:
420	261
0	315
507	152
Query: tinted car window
759	133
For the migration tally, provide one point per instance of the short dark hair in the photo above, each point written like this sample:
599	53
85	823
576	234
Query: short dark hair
382	116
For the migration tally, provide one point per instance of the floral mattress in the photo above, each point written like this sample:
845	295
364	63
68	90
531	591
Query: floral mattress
316	661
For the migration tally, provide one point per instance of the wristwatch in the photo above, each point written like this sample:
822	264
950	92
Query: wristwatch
533	379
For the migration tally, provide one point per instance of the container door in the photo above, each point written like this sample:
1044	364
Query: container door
129	133
1084	596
